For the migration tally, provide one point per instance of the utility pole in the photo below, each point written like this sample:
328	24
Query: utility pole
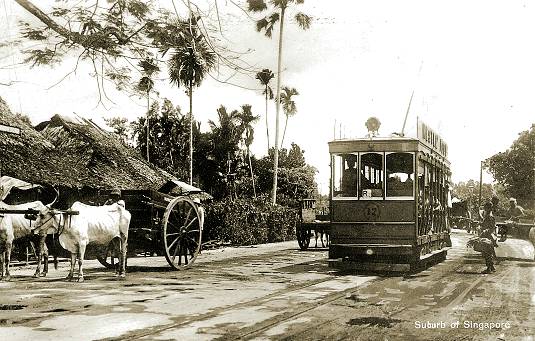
480	184
532	150
470	209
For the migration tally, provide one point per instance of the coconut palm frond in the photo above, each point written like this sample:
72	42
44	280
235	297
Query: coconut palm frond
265	76
303	20
256	5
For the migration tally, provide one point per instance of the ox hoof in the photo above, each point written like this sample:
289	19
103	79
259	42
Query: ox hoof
6	278
36	275
43	274
122	276
80	279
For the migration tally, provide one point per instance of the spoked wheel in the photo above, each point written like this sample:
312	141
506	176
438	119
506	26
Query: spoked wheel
110	258
303	237
182	233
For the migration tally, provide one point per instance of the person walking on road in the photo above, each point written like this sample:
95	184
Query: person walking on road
488	227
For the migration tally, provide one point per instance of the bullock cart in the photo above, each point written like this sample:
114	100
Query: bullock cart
311	224
161	224
26	243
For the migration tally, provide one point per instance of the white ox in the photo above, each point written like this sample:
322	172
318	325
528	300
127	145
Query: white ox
15	226
93	224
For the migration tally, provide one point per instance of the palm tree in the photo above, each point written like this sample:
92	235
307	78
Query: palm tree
189	64
264	77
288	106
266	24
247	119
149	68
226	136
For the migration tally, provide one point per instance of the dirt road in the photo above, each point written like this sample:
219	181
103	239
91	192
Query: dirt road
276	292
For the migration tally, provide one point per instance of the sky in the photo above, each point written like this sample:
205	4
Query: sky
470	64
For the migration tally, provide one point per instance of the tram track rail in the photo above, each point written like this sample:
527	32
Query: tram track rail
258	329
137	335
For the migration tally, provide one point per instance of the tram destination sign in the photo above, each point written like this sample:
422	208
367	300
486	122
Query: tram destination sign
9	129
433	140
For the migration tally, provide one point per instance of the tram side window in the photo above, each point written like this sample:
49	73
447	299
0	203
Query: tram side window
399	175
371	175
345	175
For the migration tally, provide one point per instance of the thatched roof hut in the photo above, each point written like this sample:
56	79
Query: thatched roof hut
29	156
98	157
72	153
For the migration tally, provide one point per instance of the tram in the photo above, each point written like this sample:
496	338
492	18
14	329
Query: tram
389	202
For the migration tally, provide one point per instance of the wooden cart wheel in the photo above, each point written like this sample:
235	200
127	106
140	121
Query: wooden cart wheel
182	233
303	238
110	258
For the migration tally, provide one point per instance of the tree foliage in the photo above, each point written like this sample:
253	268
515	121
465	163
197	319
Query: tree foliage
119	126
296	179
116	36
168	137
264	77
288	106
267	24
514	168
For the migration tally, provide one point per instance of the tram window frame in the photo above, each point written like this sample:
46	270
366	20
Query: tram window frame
413	174
382	180
339	167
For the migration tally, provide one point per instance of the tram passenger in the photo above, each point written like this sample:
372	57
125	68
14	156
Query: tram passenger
488	227
364	182
407	186
514	213
394	184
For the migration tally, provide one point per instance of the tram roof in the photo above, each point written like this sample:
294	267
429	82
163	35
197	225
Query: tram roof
384	144
395	143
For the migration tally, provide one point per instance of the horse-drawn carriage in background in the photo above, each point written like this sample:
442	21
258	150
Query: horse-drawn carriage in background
461	217
312	223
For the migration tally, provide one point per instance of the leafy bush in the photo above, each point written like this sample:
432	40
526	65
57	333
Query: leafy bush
248	222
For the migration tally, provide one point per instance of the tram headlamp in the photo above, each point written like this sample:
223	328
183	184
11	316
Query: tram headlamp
369	252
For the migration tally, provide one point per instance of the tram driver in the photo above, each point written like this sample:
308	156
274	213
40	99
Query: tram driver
349	178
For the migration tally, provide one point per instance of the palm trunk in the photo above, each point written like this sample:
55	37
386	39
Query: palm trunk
267	126
251	168
148	131
284	132
190	134
277	110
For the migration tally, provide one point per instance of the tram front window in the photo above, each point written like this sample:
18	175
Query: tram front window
399	175
345	175
371	175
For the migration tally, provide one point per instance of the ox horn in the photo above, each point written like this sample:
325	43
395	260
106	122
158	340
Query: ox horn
55	199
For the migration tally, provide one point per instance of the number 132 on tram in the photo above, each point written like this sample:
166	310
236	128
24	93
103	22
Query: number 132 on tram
389	202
